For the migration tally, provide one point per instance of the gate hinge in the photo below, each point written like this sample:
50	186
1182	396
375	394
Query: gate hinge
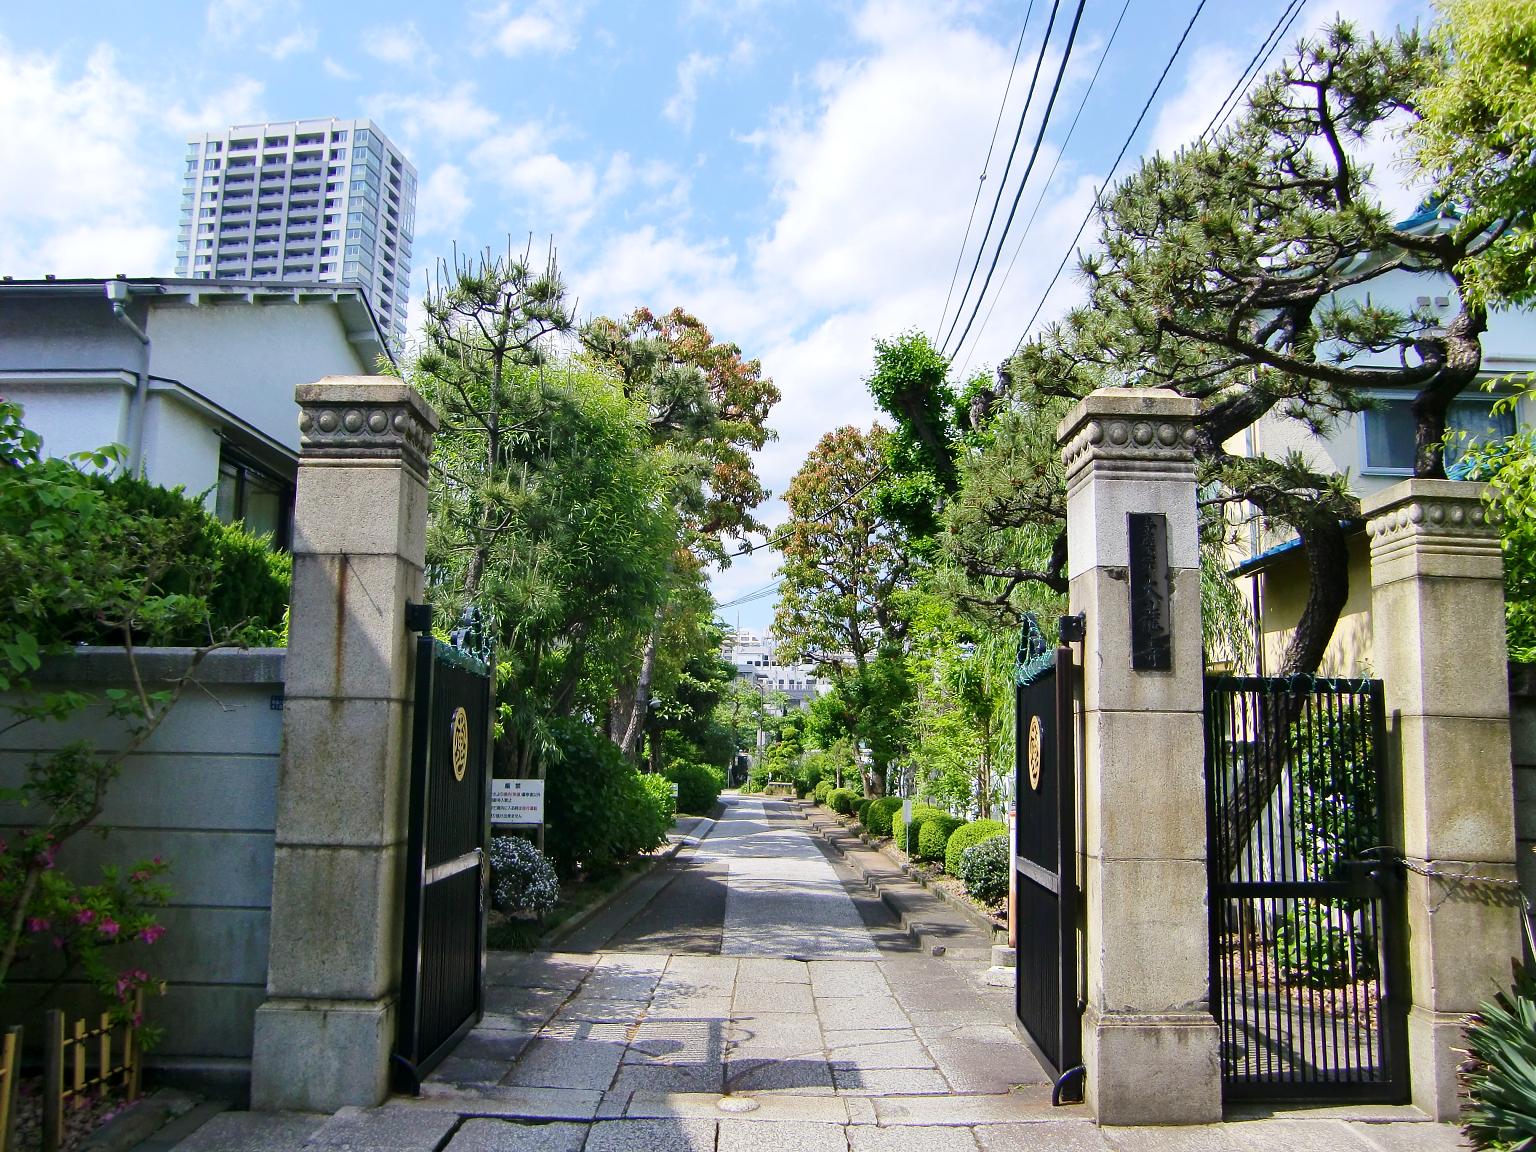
418	617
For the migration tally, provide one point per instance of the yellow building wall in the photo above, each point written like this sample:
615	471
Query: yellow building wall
1283	595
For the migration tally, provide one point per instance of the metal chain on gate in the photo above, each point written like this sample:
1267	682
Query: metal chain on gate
1502	882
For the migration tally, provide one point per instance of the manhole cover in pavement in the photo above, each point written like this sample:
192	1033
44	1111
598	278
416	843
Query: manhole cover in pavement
736	1104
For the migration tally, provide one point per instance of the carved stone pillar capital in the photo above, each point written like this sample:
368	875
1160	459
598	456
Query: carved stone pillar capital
360	418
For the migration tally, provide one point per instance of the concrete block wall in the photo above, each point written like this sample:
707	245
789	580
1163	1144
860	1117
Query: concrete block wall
1522	739
203	795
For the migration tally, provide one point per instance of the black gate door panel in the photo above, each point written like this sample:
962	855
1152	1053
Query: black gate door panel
1307	968
1045	860
442	976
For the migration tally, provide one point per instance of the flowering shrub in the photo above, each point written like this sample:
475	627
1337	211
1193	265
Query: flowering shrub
523	879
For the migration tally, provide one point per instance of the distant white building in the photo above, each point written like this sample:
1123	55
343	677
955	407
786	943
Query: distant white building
194	378
753	656
328	201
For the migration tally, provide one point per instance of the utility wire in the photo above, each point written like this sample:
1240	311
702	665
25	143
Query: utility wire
1254	66
1002	184
1045	122
1050	177
785	530
985	165
1094	207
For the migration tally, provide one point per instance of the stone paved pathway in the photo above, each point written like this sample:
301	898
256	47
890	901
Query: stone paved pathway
786	1012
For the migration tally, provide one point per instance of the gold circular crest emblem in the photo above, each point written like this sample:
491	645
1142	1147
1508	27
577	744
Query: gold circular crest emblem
1034	752
459	738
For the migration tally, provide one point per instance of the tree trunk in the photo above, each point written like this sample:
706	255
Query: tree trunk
629	741
1326	549
1460	356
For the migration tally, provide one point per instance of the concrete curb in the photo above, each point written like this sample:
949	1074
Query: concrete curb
550	939
911	925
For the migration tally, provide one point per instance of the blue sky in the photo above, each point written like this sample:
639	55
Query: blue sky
797	174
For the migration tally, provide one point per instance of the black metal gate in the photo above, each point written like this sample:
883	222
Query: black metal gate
442	975
1306	904
1045	860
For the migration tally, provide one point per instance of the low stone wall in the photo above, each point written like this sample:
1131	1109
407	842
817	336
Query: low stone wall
1522	739
203	795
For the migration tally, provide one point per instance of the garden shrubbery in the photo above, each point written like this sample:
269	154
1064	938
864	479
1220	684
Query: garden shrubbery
877	819
820	792
698	785
984	869
934	836
863	811
842	801
1500	1073
966	835
600	811
523	879
920	812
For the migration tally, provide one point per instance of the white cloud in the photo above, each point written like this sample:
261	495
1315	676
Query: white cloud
76	198
693	68
443	201
453	115
543	26
337	71
240	103
400	44
229	20
547	192
299	40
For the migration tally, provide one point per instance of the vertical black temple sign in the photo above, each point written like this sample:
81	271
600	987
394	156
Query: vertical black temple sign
1151	601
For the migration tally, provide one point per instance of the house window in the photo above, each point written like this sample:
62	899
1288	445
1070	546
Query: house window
249	493
1390	431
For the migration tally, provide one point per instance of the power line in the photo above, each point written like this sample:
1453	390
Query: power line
985	165
1045	121
1050	177
1002	184
773	539
1254	66
1092	208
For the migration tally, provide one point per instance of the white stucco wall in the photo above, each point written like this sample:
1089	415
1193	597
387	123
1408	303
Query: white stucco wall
73	416
248	358
181	447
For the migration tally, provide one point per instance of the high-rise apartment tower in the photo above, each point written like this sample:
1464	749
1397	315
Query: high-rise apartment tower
312	200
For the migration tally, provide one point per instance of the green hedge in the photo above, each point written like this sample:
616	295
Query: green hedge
842	801
863	811
934	837
920	812
698	785
984	869
819	793
880	813
966	835
599	810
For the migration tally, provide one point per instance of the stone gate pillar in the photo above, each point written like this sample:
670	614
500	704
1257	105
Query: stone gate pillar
1437	606
1149	1040
325	1033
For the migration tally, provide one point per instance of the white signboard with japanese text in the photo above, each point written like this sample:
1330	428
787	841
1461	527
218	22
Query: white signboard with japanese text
517	801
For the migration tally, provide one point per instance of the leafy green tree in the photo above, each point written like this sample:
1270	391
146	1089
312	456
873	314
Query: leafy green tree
1473	135
548	504
706	412
843	569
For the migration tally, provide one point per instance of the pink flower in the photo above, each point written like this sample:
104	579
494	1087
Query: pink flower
84	916
38	924
140	876
152	933
107	927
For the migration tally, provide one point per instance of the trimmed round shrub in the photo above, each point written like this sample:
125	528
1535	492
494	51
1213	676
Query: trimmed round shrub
698	785
920	812
820	792
842	801
864	811
984	869
522	877
877	820
934	837
966	835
